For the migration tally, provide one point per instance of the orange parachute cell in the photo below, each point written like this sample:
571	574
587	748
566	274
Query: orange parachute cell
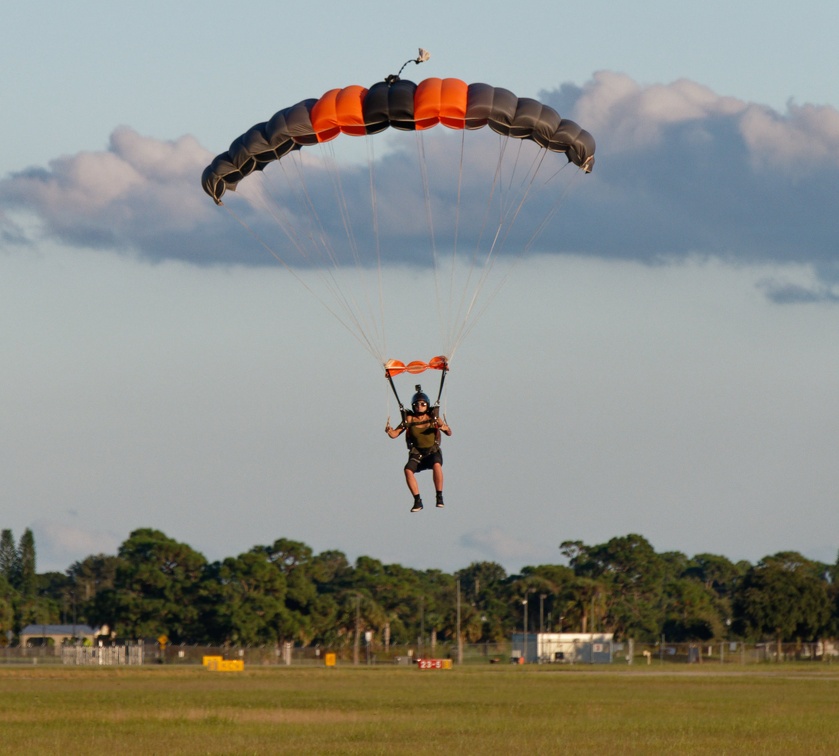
440	101
395	367
339	111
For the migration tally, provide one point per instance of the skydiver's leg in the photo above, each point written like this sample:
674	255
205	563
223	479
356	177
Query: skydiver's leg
437	473
411	480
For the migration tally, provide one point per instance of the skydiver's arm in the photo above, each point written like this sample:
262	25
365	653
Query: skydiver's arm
394	432
443	427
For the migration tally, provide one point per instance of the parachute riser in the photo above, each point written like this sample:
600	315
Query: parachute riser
442	381
398	400
402	409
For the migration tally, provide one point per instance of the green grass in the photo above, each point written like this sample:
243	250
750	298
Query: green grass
783	709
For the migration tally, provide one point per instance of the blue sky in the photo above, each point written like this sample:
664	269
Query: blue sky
665	365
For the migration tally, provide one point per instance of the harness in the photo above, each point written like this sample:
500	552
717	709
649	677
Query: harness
422	451
433	412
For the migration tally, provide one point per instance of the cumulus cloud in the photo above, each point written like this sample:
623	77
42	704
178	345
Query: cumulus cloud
681	171
60	544
495	545
139	195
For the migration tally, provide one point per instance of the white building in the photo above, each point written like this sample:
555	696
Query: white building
564	648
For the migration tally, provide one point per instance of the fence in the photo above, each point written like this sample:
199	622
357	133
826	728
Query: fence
627	652
102	656
729	652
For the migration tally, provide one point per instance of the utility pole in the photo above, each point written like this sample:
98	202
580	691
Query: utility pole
524	604
422	624
357	643
459	636
542	598
541	640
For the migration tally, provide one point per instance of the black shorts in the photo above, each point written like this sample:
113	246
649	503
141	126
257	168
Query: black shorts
417	463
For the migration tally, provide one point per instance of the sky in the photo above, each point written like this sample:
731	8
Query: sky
663	361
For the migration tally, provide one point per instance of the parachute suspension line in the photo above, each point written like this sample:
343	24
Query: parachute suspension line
320	240
449	342
429	218
461	316
280	217
466	309
346	218
555	207
510	217
300	280
527	246
374	208
526	185
311	243
507	219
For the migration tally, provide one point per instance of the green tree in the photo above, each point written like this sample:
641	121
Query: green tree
691	611
54	592
294	561
156	588
243	601
784	597
89	577
716	572
9	567
551	587
484	587
629	576
26	561
7	611
93	574
332	575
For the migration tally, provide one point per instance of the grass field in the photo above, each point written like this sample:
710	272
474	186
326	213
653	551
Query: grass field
772	709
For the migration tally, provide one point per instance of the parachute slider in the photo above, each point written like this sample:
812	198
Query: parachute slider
395	367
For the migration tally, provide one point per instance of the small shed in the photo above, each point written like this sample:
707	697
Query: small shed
40	635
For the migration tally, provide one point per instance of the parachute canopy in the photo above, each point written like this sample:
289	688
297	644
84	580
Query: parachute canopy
403	105
362	241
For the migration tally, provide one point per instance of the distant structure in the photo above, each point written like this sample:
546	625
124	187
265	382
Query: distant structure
563	648
40	635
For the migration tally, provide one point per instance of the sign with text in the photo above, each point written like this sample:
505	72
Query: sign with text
434	663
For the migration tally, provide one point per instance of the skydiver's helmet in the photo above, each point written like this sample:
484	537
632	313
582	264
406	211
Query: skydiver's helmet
420	397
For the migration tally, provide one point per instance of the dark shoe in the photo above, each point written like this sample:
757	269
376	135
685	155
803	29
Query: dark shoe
417	506
440	504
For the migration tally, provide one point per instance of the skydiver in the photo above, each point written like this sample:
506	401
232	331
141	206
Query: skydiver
424	428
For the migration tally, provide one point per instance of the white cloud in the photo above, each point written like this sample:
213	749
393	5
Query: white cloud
59	544
140	193
616	105
496	545
805	140
681	171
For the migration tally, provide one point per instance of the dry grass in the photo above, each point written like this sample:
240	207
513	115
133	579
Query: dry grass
786	709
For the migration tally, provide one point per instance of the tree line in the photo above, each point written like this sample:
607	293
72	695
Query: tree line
285	592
